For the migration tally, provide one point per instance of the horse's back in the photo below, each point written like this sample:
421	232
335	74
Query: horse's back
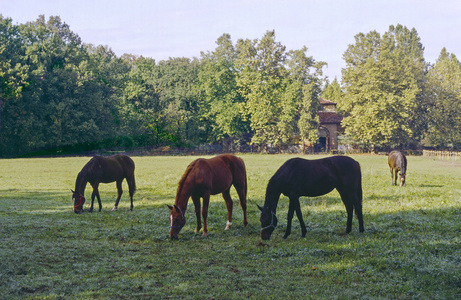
113	168
218	173
125	161
317	177
397	160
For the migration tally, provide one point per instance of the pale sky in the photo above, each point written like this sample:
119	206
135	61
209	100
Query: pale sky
184	28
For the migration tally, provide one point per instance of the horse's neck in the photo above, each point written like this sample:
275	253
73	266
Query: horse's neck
182	197
80	183
272	196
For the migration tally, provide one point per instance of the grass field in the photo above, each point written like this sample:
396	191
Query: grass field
411	247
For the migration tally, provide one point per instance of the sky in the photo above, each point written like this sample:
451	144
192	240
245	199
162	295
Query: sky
161	29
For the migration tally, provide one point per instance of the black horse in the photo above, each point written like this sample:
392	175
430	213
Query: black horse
300	177
397	163
104	170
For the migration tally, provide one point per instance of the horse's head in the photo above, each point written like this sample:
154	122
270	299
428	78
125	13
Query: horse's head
268	221
79	200
177	221
402	179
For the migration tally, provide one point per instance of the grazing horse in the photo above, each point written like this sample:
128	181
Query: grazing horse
397	162
301	177
104	170
205	177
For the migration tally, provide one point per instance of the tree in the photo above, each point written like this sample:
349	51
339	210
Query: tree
221	102
13	69
383	82
333	91
272	82
443	89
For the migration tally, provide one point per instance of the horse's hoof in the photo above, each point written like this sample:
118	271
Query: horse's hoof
115	208
204	234
228	225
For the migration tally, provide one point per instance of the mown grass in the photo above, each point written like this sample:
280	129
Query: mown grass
411	248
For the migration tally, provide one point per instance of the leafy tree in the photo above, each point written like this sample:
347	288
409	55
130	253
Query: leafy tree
221	102
383	81
332	91
443	89
272	82
13	69
176	82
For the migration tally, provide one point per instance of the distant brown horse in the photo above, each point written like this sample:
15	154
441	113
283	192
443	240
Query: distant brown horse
397	163
205	177
104	170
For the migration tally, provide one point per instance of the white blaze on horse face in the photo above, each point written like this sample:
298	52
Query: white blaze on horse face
171	220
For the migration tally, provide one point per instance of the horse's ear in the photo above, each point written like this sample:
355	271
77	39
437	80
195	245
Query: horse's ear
170	207
72	191
177	208
260	208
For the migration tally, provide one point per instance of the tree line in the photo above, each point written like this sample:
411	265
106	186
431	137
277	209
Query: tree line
57	92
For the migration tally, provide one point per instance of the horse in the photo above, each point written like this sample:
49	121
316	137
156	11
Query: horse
301	177
397	162
205	177
104	170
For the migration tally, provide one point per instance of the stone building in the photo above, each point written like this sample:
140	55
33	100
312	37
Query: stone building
329	127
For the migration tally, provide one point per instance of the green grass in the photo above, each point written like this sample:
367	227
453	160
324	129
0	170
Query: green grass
411	247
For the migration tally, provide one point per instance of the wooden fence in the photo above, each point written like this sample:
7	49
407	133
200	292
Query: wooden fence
449	155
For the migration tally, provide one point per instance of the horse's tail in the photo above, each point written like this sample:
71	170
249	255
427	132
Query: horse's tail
129	166
244	172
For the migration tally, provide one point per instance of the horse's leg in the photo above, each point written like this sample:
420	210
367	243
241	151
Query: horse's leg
196	201
392	176
241	191
131	188
291	211
92	198
358	213
299	214
119	193
95	194
396	176
206	202
227	197
350	211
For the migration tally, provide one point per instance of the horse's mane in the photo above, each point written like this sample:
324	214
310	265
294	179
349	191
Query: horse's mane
183	178
272	194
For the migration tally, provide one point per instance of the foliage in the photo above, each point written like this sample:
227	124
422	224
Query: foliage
383	81
333	91
410	247
221	105
61	92
278	87
56	91
443	89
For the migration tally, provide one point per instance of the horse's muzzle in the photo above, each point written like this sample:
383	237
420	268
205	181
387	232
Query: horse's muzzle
265	236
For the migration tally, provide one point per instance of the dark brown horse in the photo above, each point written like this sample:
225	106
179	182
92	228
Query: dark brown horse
300	177
205	177
104	170
397	163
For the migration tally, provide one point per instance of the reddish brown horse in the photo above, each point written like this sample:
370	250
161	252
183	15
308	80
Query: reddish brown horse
104	170
397	163
205	177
